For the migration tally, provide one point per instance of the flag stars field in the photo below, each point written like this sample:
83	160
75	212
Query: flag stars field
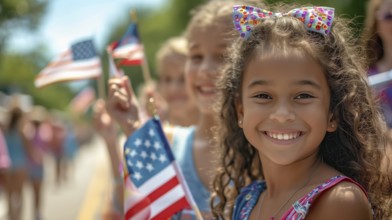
153	156
151	133
149	167
147	143
162	158
153	174
139	164
137	176
133	153
138	142
157	145
144	154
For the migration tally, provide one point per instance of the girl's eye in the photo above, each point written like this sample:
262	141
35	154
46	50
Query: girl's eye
196	58
262	96
304	96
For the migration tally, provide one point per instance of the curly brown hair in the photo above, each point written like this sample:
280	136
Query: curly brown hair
354	149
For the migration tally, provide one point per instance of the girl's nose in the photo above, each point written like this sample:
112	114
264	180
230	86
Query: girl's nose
282	113
209	67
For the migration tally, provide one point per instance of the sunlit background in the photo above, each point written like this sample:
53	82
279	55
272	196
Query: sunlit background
32	32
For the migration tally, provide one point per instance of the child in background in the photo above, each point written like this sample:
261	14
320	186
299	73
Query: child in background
38	138
377	39
170	62
208	36
300	133
19	151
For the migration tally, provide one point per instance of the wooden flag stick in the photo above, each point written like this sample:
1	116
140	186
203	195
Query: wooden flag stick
145	69
101	87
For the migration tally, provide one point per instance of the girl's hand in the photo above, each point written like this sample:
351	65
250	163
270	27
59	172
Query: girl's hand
122	105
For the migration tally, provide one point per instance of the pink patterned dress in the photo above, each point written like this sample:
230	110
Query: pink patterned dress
249	196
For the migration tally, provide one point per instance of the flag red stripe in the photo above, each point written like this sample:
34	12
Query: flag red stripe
164	188
68	69
169	211
152	197
142	204
126	62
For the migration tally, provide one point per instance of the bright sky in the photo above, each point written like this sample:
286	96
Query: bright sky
68	21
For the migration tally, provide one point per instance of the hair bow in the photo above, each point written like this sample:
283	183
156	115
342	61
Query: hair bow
317	19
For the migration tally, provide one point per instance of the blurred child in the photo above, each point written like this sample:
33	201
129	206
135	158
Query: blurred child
38	141
18	150
170	62
208	35
377	39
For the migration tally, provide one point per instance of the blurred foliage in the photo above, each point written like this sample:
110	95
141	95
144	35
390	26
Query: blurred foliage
351	9
19	14
17	71
155	27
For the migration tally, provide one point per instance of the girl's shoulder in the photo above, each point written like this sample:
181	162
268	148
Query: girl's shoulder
339	198
247	199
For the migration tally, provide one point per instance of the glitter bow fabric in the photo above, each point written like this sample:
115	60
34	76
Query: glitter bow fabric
317	19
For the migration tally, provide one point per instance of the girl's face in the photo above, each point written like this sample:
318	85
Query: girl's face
384	20
172	84
284	108
206	49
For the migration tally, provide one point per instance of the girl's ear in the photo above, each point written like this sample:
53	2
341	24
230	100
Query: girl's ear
240	110
332	123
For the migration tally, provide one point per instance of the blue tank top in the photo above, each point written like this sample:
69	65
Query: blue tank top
15	148
182	150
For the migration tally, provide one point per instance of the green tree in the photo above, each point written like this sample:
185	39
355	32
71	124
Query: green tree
19	14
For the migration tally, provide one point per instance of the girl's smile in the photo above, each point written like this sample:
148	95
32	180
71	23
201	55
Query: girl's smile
284	137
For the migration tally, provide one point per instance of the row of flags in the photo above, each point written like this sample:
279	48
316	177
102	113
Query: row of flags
154	186
81	60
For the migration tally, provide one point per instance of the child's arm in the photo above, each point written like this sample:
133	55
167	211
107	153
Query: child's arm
123	106
345	201
107	130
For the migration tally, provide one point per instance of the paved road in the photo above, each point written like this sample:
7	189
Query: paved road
82	197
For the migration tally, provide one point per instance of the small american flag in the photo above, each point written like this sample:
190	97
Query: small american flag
76	63
82	101
129	48
158	187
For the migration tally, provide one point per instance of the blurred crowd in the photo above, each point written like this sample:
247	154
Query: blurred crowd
30	135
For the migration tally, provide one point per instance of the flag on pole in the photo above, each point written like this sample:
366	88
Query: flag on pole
128	49
78	62
113	69
159	190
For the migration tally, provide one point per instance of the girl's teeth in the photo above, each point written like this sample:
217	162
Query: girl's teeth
283	136
207	89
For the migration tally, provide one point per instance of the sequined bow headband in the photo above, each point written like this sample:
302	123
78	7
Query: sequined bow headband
317	19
